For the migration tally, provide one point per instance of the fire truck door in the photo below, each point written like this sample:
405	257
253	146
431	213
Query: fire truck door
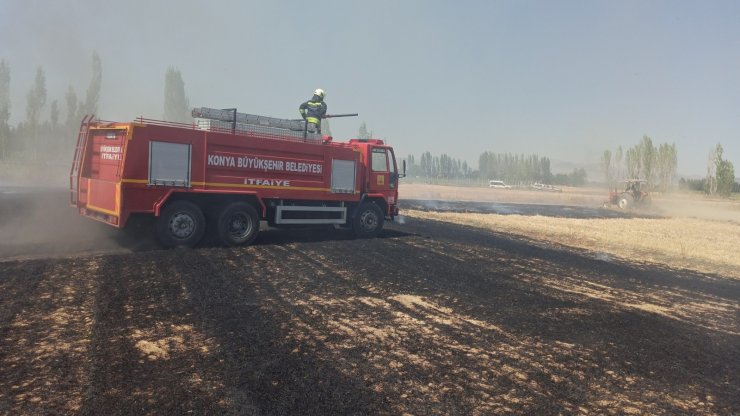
103	170
107	154
380	178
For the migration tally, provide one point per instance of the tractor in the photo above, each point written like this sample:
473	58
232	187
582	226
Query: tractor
634	195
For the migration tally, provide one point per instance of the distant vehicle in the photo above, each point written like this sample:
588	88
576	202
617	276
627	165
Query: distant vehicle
543	187
634	195
498	185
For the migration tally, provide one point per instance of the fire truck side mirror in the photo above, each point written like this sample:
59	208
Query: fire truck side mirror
403	171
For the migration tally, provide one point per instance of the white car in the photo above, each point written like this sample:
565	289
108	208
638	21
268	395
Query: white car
542	187
498	184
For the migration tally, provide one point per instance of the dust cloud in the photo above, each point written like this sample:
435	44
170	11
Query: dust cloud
698	207
38	221
675	205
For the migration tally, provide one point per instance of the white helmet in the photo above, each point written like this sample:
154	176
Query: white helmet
319	92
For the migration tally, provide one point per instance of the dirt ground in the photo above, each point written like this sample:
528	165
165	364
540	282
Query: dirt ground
429	319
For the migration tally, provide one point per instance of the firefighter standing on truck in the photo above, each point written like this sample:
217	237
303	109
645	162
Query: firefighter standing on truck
313	111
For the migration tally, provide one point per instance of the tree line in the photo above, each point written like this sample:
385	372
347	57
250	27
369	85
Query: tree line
49	132
656	165
720	178
438	168
701	186
516	169
45	131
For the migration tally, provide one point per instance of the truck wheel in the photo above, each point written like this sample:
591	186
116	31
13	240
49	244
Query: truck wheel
625	201
238	224
368	220
181	224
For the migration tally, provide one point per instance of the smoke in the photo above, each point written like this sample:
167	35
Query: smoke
605	257
571	203
434	195
697	206
39	222
18	171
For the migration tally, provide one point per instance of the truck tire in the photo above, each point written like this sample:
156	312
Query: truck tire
238	223
181	224
625	201
368	220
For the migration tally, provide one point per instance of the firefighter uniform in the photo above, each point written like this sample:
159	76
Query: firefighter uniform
313	111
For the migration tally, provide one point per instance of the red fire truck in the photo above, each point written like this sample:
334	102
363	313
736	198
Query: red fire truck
226	173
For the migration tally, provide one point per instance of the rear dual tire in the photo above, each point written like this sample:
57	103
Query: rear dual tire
238	224
182	224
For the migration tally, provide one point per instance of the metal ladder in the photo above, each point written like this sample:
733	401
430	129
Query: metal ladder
77	160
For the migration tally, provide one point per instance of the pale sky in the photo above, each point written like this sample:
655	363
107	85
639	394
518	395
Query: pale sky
564	79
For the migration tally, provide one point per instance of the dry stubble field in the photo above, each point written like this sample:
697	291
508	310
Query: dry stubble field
678	230
432	318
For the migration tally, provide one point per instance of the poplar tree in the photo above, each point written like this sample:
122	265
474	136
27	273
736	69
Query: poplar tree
36	100
723	179
647	159
4	108
176	104
618	155
73	118
54	115
606	164
715	156
667	161
92	97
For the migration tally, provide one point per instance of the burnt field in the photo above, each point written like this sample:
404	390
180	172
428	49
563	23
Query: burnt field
503	208
431	318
